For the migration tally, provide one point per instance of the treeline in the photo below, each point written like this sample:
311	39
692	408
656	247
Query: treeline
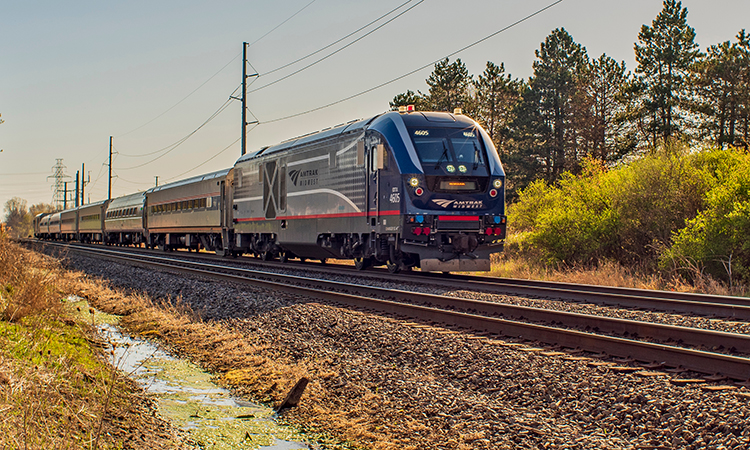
575	108
19	217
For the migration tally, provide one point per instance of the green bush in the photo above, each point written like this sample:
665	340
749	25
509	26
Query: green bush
628	214
717	240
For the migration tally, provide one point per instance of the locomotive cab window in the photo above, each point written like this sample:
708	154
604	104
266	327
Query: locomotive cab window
453	159
451	152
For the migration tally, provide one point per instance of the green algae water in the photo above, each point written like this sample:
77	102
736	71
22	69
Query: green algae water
187	397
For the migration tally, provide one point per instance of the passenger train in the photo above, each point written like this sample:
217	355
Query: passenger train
401	189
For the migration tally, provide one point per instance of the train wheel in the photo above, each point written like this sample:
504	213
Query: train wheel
393	267
220	251
362	263
284	256
267	256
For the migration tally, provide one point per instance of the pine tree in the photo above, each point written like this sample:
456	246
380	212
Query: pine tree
449	86
606	135
665	54
409	98
722	82
548	141
496	94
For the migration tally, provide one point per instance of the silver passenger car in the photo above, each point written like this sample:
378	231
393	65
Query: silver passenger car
124	220
187	214
53	230
41	225
69	224
91	222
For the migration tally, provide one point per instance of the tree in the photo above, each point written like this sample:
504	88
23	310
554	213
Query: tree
409	98
665	55
722	83
17	217
449	86
39	208
544	126
601	112
496	96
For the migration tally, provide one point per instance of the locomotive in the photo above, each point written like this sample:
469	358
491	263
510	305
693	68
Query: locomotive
401	189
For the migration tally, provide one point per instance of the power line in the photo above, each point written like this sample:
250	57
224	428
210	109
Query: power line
337	41
338	50
282	23
209	159
184	98
181	141
23	173
418	69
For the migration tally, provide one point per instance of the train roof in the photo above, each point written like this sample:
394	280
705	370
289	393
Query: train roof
127	200
88	205
196	179
337	130
411	119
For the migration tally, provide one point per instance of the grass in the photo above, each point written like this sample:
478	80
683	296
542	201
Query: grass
56	389
515	264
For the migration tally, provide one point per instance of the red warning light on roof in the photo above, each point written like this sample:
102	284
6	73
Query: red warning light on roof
409	108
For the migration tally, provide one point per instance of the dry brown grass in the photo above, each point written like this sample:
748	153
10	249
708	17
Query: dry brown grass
26	283
609	273
56	391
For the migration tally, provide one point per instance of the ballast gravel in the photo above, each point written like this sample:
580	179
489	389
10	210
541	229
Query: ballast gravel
447	389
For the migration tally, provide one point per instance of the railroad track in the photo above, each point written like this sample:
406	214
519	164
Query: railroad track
685	303
645	342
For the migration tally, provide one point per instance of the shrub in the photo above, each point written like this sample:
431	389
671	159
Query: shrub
26	286
716	241
628	214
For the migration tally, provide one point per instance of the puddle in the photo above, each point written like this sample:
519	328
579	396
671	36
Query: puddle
188	398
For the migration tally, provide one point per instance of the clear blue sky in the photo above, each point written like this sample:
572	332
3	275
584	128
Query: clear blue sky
74	73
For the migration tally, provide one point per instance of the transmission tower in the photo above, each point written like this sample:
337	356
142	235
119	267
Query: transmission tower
59	189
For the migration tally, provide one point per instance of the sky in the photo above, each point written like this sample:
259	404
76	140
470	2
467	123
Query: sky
151	74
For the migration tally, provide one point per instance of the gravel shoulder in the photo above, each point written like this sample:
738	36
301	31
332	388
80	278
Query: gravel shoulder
383	382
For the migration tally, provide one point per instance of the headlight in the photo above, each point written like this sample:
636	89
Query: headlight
414	182
498	183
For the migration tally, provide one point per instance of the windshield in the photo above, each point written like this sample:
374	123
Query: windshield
450	151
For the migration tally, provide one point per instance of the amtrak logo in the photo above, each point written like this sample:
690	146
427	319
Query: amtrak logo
307	177
294	175
444	203
459	204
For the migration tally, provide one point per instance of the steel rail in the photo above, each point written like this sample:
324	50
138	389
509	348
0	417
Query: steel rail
510	283
735	367
737	308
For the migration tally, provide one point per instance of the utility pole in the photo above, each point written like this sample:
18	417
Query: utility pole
157	180
243	99
83	183
65	196
109	186
77	187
